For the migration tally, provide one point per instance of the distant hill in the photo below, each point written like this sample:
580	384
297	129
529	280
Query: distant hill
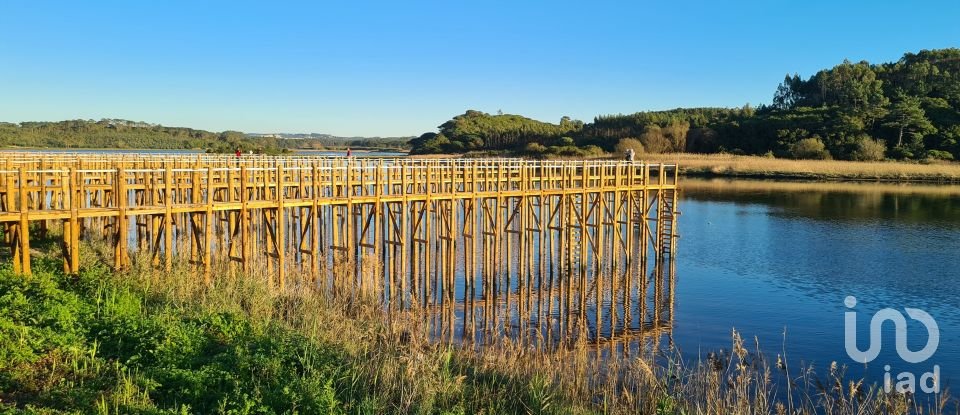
908	109
126	134
321	141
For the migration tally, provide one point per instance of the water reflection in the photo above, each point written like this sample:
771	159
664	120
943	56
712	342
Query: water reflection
775	260
909	203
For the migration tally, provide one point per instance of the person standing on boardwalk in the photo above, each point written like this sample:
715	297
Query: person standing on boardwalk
630	154
238	152
348	152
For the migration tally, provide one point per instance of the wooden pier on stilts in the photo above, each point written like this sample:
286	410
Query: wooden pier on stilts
493	245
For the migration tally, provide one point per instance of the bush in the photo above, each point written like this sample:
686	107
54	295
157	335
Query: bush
574	151
939	155
900	153
654	140
868	149
565	142
809	148
592	151
454	147
535	149
629	143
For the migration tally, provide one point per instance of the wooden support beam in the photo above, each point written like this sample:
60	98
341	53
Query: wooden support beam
484	247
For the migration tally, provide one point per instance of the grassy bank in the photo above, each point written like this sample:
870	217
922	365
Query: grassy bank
142	342
725	165
150	342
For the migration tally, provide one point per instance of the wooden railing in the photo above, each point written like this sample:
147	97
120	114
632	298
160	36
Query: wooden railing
428	226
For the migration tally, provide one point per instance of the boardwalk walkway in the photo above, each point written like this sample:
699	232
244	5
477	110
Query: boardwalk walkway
431	231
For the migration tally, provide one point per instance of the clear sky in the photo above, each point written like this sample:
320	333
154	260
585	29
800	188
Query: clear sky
404	67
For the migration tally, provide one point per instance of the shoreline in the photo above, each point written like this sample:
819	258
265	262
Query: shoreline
696	183
756	167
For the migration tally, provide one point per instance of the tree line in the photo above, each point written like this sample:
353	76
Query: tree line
908	109
126	134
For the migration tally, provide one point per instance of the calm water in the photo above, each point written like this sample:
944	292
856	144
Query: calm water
774	258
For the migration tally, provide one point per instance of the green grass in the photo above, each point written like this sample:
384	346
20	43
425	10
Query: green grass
98	343
89	345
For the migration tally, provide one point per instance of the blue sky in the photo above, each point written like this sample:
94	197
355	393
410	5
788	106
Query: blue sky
404	67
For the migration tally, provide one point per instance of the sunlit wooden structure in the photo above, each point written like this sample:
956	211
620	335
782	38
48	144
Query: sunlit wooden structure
523	238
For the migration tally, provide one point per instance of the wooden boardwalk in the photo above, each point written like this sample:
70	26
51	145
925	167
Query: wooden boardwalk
421	232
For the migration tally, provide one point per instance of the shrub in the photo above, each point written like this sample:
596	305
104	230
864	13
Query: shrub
939	155
900	153
809	148
565	142
592	150
868	149
454	147
535	148
629	143
654	140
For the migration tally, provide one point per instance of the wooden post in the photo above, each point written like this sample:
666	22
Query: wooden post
120	190
245	230
280	232
208	229
42	196
168	199
315	223
74	224
21	262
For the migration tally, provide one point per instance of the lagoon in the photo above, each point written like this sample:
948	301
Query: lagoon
775	260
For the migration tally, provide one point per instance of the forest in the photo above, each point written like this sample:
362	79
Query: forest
908	109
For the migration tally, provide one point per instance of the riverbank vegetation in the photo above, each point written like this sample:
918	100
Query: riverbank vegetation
909	109
729	165
152	342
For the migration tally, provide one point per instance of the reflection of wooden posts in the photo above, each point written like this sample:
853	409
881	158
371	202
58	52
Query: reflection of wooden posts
451	261
617	243
598	254
377	218
348	238
582	260
315	225
541	243
404	241
193	230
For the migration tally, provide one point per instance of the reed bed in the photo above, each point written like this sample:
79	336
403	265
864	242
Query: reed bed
756	166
